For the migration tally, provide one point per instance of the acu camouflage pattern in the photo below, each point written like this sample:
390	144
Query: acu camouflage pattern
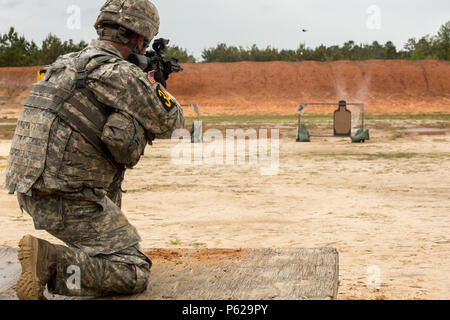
102	243
140	16
127	88
27	155
125	272
71	161
126	148
72	190
50	96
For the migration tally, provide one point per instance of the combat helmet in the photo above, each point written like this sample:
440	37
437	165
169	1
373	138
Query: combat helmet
139	16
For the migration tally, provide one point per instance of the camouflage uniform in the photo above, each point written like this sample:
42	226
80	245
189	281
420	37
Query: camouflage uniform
70	184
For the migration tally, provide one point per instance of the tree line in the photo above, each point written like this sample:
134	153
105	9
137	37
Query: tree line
428	47
16	51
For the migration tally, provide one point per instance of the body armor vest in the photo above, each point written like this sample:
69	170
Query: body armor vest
68	99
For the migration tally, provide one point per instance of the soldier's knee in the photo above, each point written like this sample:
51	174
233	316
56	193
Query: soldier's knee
142	278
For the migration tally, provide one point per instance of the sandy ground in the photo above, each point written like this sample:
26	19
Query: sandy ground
384	205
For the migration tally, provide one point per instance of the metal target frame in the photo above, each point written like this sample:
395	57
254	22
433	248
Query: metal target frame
302	108
197	127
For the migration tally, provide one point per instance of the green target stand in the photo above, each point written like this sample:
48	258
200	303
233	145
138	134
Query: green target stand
197	126
342	122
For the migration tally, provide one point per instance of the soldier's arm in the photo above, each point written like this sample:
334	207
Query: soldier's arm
125	88
125	138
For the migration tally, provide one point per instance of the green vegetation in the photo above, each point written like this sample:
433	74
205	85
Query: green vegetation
365	156
16	51
420	116
175	242
312	121
7	126
394	155
244	119
427	47
292	119
198	244
7	130
181	54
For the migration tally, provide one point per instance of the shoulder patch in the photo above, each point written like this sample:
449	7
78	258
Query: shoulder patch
151	77
165	98
40	74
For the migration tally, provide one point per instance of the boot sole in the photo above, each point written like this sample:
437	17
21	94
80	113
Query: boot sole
28	286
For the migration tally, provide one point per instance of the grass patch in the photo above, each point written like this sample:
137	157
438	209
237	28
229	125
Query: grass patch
8	126
8	121
167	187
375	156
405	155
397	155
256	120
422	116
7	131
175	242
198	244
292	119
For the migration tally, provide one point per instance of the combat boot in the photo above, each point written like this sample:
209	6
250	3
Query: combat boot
38	260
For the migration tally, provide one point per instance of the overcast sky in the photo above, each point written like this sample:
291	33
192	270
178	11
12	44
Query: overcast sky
199	24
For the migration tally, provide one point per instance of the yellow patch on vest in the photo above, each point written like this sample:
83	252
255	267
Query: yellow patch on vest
40	75
165	98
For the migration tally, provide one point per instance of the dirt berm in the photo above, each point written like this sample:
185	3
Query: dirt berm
386	86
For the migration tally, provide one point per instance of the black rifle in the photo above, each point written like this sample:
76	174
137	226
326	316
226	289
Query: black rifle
154	60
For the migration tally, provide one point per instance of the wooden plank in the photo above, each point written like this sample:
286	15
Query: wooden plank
287	274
